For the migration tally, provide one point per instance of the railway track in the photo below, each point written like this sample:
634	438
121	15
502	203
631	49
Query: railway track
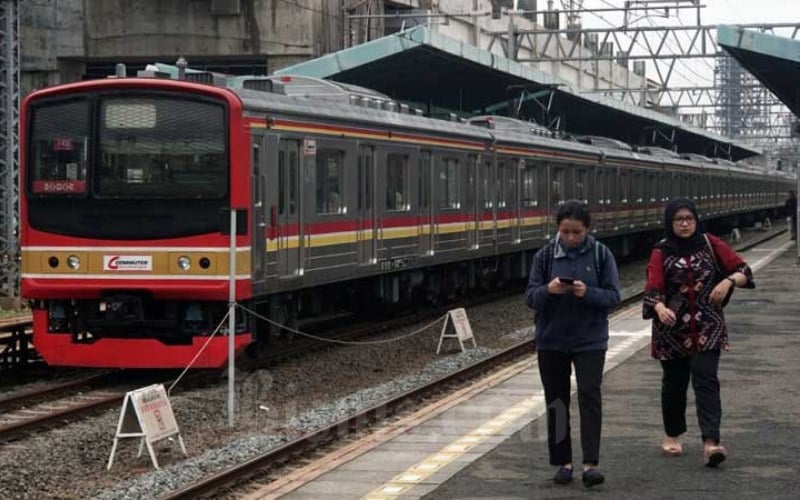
55	404
17	321
229	480
59	404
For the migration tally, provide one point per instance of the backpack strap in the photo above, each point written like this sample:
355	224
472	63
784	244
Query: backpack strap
547	264
600	252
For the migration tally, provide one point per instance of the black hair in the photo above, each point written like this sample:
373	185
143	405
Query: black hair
574	209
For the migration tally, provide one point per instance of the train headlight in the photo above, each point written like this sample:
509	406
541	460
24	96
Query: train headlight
74	262
184	263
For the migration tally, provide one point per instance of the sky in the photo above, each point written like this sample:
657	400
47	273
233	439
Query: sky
748	11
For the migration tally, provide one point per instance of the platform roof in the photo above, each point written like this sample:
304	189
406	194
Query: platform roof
436	72
774	60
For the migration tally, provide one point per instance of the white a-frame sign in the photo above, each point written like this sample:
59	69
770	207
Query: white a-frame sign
463	331
147	415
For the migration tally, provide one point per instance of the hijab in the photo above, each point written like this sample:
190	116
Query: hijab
673	242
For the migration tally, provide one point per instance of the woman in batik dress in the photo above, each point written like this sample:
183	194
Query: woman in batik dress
690	277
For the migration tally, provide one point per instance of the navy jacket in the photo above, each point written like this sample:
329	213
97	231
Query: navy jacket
567	323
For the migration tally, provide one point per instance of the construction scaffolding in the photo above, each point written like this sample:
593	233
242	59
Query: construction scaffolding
9	148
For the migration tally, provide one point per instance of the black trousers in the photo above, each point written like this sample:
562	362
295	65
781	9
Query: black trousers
555	369
702	369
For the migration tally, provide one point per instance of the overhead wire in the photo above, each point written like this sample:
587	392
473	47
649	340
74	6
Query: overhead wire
640	44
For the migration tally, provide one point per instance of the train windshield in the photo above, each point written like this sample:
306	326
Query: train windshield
93	158
59	148
151	147
146	147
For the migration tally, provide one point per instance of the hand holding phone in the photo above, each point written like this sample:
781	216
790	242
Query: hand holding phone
566	281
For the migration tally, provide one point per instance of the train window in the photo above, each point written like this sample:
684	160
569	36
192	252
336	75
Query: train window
397	182
624	185
424	179
448	184
512	198
638	187
158	147
329	181
58	148
281	181
557	185
294	175
581	185
366	159
288	154
485	183
472	170
503	183
529	185
652	191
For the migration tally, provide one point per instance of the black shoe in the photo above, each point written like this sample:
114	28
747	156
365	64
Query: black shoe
563	476
592	477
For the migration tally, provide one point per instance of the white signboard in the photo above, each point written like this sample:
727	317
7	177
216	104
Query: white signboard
461	326
147	415
127	262
309	147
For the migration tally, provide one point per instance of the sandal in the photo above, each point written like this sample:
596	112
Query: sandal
713	456
672	449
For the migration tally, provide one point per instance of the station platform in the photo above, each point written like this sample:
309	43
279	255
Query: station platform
490	441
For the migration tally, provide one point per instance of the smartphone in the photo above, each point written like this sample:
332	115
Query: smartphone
566	281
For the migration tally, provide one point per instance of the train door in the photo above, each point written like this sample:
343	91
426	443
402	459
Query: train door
289	231
259	218
365	206
425	203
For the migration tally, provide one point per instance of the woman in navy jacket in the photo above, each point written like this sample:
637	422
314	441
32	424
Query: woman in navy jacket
573	285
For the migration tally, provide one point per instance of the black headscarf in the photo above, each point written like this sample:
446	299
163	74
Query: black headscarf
673	242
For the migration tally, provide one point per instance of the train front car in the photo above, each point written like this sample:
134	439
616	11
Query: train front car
126	187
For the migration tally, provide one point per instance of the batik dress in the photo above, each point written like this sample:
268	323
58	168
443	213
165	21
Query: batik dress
684	283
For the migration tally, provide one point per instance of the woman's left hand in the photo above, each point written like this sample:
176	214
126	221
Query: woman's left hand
579	289
720	291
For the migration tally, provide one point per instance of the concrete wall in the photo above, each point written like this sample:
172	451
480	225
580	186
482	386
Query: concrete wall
50	37
148	28
59	36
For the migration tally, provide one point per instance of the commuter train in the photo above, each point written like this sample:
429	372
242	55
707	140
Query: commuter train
127	185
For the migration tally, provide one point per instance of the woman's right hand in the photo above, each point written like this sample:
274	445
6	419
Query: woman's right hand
665	314
556	287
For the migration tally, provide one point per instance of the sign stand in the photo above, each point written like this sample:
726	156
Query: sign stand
463	331
147	415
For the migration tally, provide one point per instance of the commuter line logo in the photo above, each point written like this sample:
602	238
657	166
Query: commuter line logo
127	263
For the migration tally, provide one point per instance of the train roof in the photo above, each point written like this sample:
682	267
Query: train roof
357	105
